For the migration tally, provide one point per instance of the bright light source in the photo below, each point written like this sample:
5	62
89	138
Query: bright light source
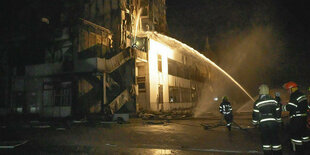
155	49
166	39
45	20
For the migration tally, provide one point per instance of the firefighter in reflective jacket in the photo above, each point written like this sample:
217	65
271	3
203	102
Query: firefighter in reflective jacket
297	108
226	110
265	115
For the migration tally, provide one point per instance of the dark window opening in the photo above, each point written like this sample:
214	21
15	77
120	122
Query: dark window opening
160	69
179	95
141	83
160	94
57	94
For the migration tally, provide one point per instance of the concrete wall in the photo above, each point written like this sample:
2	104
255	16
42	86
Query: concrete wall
89	98
57	111
157	78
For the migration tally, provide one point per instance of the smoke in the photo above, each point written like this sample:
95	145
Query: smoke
251	53
251	56
206	103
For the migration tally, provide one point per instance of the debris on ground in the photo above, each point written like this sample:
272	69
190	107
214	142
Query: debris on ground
107	122
164	123
163	116
121	118
221	123
146	116
154	122
79	121
211	126
169	117
60	129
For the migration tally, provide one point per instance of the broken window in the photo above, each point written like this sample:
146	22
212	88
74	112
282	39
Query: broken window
145	11
185	95
63	97
179	95
172	67
57	94
178	69
139	43
174	94
159	63
141	84
160	94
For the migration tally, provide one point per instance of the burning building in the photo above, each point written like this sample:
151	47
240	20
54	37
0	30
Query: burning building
109	61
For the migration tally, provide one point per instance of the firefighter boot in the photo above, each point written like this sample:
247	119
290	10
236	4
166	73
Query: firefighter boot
306	147
229	127
278	152
299	150
267	152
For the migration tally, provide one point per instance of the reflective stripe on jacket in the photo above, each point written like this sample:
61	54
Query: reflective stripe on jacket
265	109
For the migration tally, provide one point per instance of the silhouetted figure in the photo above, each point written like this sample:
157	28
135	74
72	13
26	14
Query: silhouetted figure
226	110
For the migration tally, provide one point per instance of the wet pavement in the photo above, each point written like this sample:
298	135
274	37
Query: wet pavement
136	137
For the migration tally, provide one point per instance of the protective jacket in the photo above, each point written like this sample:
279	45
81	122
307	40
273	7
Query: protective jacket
266	114
265	109
297	105
225	108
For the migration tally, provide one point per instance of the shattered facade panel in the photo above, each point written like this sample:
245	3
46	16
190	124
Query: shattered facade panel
94	40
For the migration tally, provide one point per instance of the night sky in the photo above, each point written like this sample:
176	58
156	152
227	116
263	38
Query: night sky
192	21
24	34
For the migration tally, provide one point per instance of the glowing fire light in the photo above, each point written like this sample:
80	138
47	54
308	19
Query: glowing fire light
167	40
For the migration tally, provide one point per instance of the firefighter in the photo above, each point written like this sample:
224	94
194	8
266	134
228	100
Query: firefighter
226	110
297	108
265	115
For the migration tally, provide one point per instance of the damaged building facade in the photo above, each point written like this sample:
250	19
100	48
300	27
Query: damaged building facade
100	65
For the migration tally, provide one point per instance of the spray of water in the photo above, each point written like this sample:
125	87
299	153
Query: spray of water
172	41
137	24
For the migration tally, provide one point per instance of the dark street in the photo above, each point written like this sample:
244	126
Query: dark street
139	136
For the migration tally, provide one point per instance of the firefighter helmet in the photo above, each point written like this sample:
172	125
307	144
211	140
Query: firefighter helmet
263	89
290	85
225	98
